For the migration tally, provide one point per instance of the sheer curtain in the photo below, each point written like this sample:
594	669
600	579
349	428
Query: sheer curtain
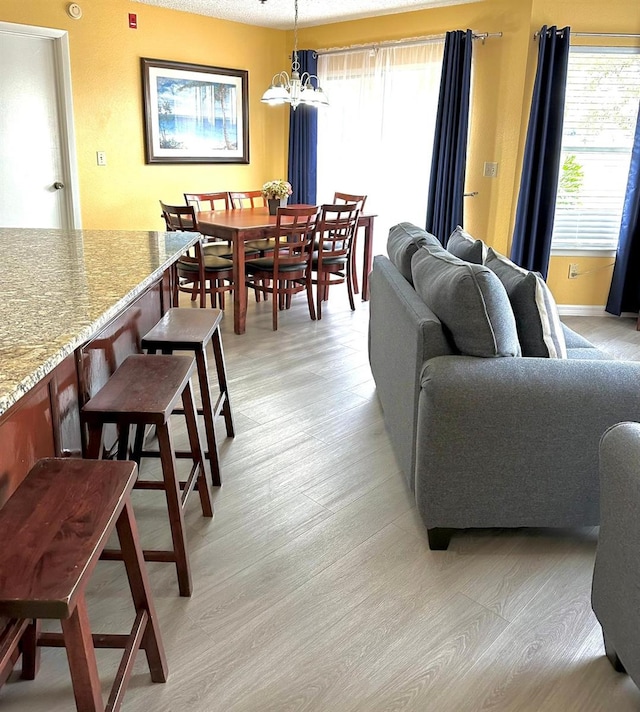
376	137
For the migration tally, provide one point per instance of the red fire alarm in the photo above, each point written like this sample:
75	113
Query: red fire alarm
133	21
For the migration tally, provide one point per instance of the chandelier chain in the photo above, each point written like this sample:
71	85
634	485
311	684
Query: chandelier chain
295	89
295	64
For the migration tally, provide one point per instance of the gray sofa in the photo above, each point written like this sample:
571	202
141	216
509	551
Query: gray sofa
501	440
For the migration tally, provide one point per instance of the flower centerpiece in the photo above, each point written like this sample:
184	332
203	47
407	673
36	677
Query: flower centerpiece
276	193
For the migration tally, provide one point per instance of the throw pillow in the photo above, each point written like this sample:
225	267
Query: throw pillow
539	327
467	248
404	240
469	300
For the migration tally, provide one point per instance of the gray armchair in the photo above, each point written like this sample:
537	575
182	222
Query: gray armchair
615	594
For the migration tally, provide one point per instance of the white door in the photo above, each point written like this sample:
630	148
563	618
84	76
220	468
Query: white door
38	179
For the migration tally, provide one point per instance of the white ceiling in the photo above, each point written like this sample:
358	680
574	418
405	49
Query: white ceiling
278	14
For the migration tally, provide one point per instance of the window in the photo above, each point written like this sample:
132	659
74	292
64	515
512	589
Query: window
603	89
376	138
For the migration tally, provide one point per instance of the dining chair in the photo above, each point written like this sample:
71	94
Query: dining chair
247	199
197	273
179	218
253	199
359	200
287	270
215	201
331	260
208	201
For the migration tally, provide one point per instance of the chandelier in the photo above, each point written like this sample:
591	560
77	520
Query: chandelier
294	89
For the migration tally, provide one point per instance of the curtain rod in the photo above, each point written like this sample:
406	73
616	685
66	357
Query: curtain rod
402	43
597	34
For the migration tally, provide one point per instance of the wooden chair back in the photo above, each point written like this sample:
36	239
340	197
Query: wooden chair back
247	199
179	217
336	229
359	200
295	229
208	201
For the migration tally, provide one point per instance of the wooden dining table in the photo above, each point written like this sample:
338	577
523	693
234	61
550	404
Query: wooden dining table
240	226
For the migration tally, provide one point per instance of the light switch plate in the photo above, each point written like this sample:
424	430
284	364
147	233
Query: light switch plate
490	169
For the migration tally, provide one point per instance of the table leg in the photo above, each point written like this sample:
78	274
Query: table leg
368	257
239	291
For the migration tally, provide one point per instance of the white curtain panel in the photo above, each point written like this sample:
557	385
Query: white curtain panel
376	137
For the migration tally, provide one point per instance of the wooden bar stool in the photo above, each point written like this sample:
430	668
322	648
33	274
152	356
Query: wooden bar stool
145	390
54	528
193	330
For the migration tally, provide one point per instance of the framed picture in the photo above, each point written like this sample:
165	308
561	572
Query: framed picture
194	113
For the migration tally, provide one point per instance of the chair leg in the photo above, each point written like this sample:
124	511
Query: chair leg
439	538
612	656
319	295
276	303
349	275
309	290
82	659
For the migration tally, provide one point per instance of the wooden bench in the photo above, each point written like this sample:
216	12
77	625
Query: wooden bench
54	529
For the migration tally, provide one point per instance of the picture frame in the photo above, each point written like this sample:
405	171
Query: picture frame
194	113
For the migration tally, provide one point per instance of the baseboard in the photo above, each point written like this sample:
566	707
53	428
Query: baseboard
588	310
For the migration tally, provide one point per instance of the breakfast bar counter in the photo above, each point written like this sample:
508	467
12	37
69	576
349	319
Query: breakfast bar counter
73	305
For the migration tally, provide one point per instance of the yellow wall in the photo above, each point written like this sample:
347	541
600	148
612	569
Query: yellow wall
107	96
108	103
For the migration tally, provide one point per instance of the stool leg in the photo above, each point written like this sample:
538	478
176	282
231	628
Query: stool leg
123	441
94	441
30	651
190	414
222	381
82	659
176	519
141	592
207	413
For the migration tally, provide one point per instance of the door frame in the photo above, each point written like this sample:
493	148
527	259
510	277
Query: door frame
62	70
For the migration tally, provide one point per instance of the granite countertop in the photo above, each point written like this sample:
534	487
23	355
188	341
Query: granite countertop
60	286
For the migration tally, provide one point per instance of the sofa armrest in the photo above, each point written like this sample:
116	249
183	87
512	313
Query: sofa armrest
512	442
403	333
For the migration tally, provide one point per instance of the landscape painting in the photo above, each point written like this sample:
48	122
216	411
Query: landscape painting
194	113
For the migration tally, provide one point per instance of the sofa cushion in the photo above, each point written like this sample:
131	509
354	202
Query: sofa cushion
539	328
403	241
467	248
469	300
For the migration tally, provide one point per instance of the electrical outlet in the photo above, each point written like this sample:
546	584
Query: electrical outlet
573	270
490	170
101	158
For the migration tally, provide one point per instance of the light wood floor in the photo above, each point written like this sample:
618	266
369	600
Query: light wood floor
315	589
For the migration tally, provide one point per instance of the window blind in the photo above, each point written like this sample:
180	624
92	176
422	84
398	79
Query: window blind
603	91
